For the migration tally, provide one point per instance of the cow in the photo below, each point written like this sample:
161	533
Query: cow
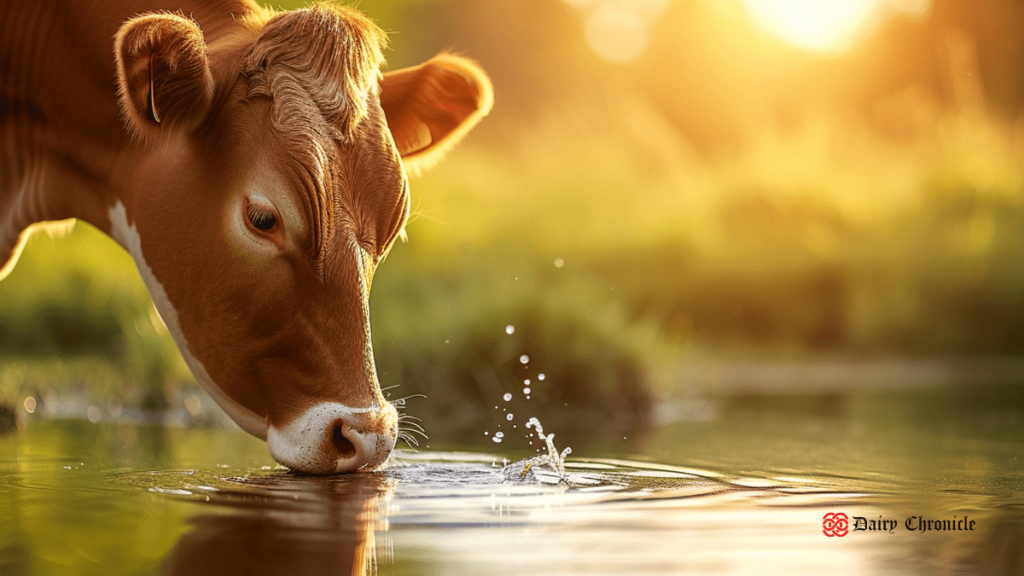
255	165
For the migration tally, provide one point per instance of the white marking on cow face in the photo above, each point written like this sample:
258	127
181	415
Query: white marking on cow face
128	237
311	442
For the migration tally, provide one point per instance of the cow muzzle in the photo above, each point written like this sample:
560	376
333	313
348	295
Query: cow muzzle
332	438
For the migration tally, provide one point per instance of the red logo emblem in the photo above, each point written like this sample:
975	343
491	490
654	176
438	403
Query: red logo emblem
835	524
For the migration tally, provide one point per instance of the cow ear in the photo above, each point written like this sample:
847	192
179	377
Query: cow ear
163	74
432	106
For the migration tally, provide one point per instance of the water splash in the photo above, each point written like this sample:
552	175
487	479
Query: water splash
551	459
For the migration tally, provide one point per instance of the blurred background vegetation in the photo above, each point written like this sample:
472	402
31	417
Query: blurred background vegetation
666	190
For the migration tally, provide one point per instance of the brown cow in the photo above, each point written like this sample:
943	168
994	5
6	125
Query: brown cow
253	163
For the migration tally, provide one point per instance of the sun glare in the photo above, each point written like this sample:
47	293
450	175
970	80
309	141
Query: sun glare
827	26
617	30
616	35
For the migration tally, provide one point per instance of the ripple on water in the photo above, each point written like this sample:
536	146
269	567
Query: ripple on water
461	477
472	506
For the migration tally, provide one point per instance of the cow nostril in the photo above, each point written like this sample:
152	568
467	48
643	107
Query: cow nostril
344	447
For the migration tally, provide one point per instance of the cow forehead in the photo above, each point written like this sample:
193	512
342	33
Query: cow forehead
329	55
313	77
371	186
336	189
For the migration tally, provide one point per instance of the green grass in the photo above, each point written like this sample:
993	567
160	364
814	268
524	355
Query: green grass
826	240
74	314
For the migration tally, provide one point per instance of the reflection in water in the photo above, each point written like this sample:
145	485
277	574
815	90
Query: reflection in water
288	526
117	499
1002	550
461	514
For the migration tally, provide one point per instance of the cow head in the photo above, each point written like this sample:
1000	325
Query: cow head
270	184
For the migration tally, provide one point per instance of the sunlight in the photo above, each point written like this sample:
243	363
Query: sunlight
828	27
617	30
616	35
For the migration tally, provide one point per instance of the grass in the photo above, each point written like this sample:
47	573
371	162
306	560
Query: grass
827	239
74	315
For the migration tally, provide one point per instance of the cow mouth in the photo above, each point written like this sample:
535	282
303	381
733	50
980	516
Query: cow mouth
331	438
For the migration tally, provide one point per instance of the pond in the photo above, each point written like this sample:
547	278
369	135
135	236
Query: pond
745	488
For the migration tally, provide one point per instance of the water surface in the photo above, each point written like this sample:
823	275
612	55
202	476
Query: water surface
742	489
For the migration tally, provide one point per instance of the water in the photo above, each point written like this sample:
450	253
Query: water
728	486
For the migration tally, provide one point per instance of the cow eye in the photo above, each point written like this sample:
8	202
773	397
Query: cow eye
261	218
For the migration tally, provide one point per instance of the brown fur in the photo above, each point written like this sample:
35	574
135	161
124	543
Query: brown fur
287	105
319	69
432	106
326	56
161	60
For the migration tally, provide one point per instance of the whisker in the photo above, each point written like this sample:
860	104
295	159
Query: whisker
409	440
408	397
420	432
424	215
411	425
418	212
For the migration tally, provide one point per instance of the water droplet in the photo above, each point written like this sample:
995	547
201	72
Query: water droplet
524	359
540	377
527	381
499	434
509	417
559	262
507	397
526	390
527	397
496	439
510	329
486	433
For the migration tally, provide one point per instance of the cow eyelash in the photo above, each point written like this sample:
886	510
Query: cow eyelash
261	218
